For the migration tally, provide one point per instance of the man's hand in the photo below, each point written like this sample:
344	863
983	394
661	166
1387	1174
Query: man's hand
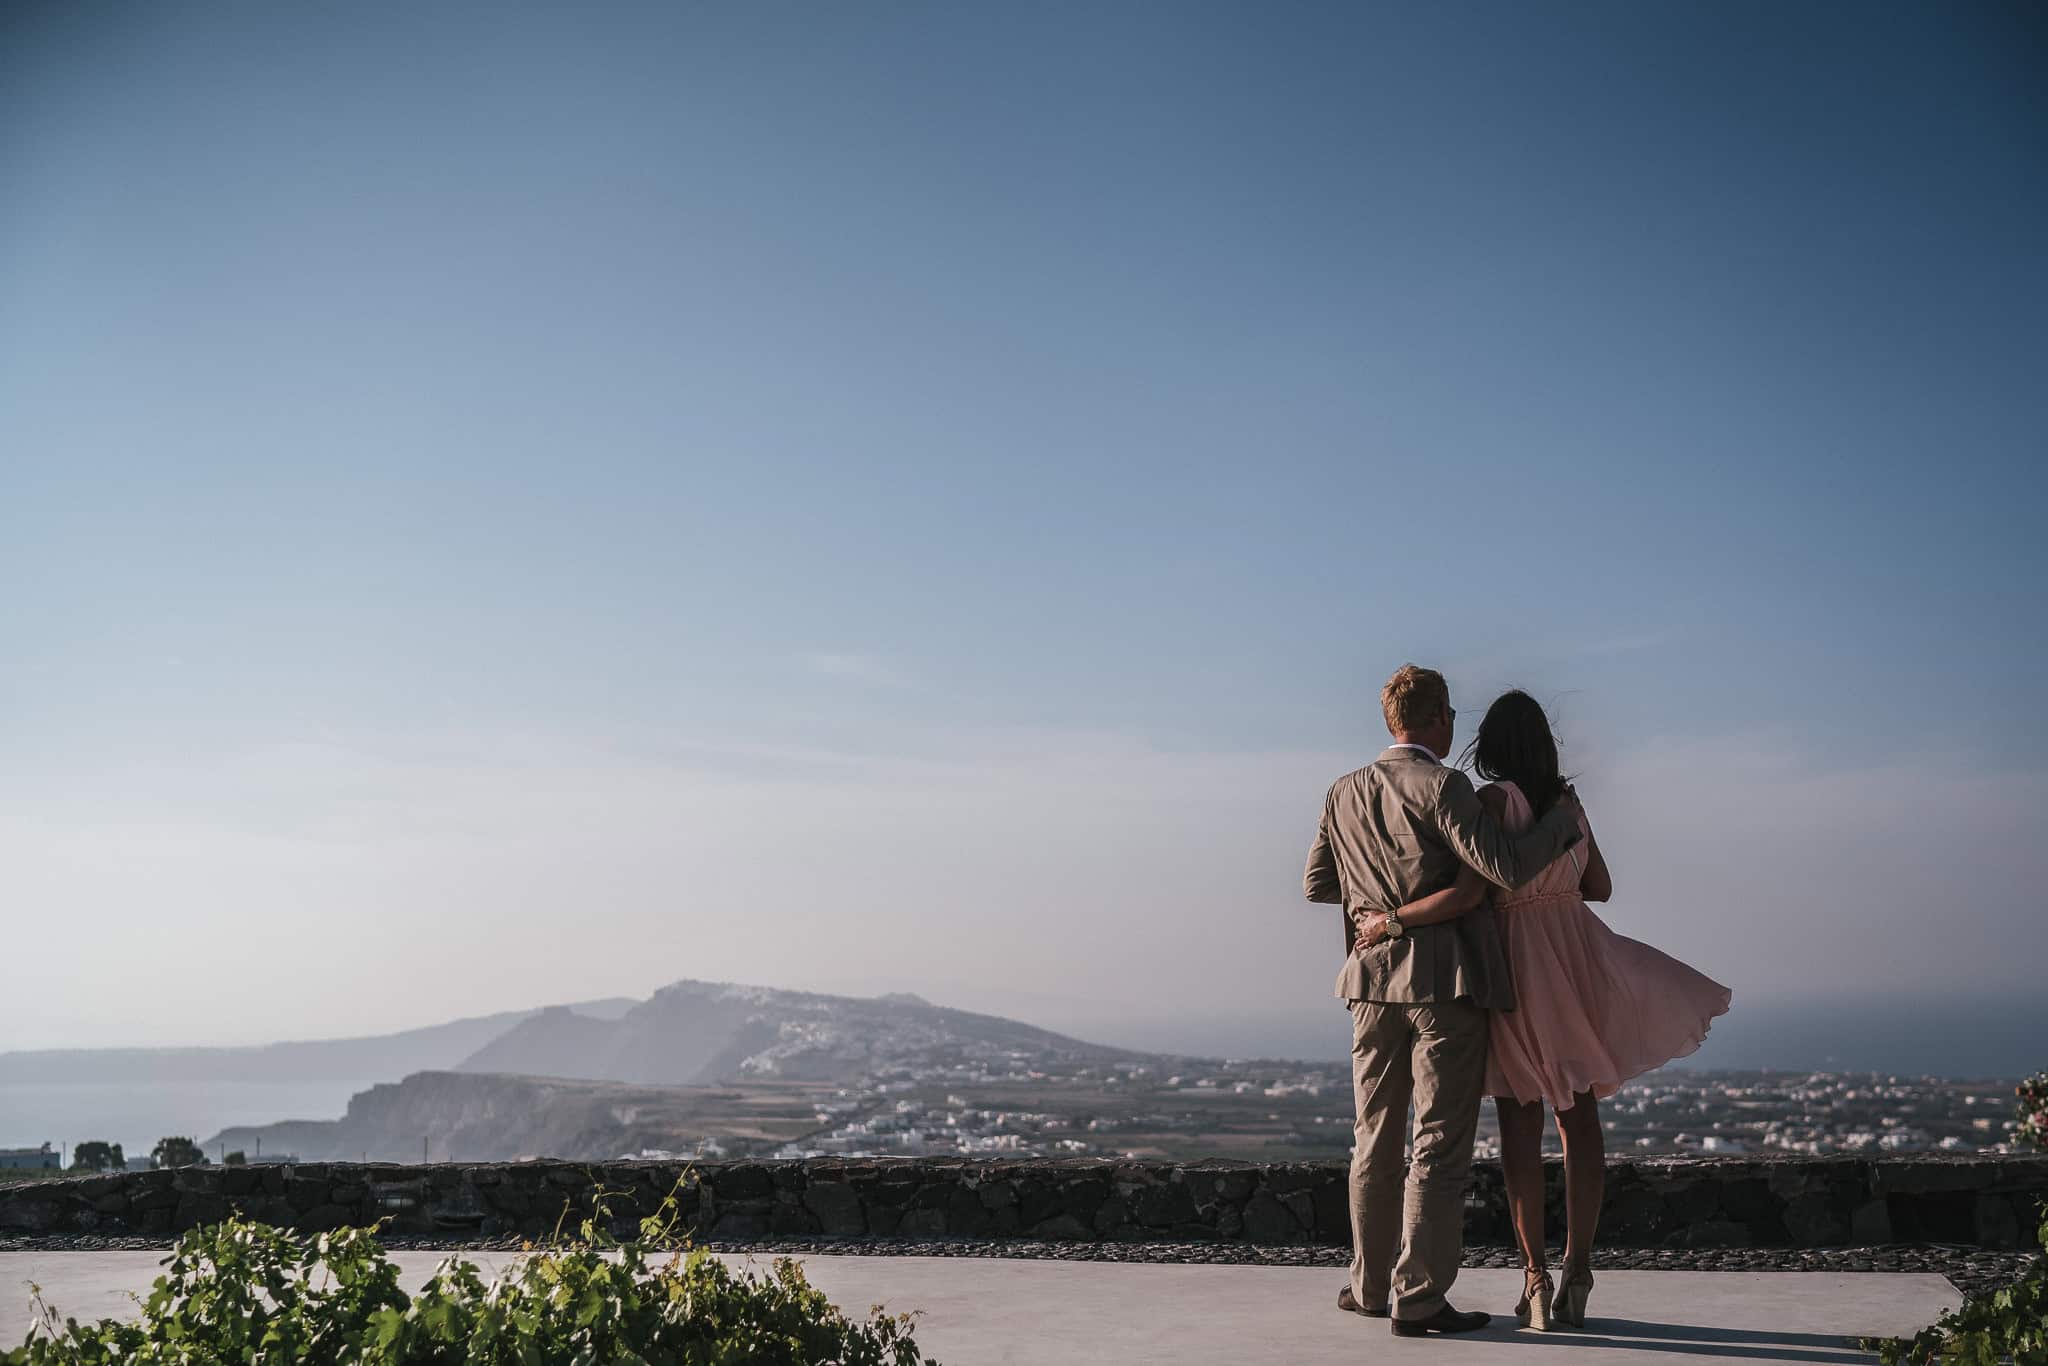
1372	929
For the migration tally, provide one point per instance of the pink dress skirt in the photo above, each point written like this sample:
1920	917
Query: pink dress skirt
1592	1008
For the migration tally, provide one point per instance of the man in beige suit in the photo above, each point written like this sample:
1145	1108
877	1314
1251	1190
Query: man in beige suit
1396	830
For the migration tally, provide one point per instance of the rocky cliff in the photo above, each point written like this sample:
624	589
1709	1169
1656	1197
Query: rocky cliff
477	1117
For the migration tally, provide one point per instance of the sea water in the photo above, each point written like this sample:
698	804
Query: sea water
136	1114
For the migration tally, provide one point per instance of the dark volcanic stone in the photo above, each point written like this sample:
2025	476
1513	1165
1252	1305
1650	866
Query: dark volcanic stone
1083	1197
1811	1221
304	1193
1298	1204
1948	1216
1235	1185
938	1195
741	1223
1332	1209
1651	1203
789	1217
32	1216
922	1223
201	1207
322	1218
1037	1201
1751	1204
155	1196
1870	1222
966	1215
1163	1206
1634	1214
240	1180
743	1183
1920	1178
1266	1220
1998	1224
272	1210
836	1206
1693	1201
1110	1216
1282	1180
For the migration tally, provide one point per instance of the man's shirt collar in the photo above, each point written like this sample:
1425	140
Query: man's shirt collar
1422	749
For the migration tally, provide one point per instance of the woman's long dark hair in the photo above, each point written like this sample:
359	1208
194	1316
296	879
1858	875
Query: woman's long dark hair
1514	744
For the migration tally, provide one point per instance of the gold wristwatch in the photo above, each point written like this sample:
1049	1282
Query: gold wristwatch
1394	927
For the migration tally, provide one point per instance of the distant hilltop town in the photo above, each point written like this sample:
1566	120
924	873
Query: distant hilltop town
1238	1109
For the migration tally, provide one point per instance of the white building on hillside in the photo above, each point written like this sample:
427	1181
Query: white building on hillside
43	1159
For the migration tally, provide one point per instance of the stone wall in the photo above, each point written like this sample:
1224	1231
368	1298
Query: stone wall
1651	1202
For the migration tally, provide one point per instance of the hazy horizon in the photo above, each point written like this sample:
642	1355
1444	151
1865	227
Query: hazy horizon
1953	1037
505	506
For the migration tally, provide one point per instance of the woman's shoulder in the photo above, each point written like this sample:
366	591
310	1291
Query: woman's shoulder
1502	798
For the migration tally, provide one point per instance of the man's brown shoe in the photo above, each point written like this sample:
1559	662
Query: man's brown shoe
1351	1306
1444	1320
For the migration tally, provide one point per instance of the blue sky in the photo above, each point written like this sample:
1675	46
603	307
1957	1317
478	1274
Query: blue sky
923	497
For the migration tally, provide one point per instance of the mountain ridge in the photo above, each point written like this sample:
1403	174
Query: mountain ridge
696	1033
350	1058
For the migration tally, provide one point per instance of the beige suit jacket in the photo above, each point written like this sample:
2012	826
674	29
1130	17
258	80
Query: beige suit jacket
1400	828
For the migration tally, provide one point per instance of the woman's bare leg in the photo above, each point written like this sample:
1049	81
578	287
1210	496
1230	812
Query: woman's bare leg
1585	1177
1521	1166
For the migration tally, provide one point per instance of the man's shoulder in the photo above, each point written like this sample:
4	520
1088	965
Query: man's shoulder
1411	776
1452	778
1350	782
1384	768
1417	775
1356	775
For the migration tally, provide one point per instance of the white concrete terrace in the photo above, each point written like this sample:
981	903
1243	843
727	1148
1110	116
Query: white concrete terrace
1000	1312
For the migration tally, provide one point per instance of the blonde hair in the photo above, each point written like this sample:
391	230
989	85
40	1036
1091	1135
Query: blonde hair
1414	698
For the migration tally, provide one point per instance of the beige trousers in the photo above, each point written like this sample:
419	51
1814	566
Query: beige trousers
1435	1054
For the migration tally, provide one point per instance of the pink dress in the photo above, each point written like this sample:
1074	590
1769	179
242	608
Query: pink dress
1592	1008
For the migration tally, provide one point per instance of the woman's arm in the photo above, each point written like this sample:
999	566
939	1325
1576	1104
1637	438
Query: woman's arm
1596	883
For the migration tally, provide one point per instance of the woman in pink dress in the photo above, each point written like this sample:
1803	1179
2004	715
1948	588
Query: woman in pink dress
1592	1008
